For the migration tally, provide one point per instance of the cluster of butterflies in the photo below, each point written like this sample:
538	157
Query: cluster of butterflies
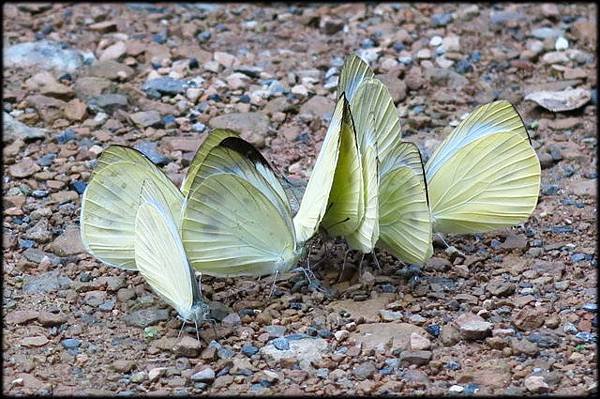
234	216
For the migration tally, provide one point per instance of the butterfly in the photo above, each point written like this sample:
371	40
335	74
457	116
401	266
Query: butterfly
485	174
379	195
237	219
161	259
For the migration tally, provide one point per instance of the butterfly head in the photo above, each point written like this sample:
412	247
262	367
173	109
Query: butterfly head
198	313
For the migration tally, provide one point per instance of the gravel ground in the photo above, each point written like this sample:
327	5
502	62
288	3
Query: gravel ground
508	312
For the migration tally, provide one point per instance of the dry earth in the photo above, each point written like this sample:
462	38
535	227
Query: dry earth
508	312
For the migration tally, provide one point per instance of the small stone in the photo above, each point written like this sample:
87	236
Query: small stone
165	85
138	377
252	126
281	343
123	366
188	347
529	318
536	384
207	375
111	70
364	370
450	335
114	52
48	319
501	288
34	342
419	358
76	110
24	168
146	317
473	327
225	59
71	343
13	129
419	343
39	232
155	373
523	346
561	44
249	350
146	119
67	244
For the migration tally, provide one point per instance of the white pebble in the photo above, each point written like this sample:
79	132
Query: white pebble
561	44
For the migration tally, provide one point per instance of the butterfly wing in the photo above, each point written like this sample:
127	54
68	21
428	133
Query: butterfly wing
491	182
212	140
372	99
161	259
316	196
345	211
230	228
405	221
110	201
354	71
485	120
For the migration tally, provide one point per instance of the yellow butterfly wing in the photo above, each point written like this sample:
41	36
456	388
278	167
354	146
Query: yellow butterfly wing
230	228
212	140
345	211
160	256
110	201
365	237
316	196
491	182
373	99
354	72
495	117
405	221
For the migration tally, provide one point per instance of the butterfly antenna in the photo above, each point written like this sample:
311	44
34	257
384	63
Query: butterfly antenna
214	326
181	330
444	241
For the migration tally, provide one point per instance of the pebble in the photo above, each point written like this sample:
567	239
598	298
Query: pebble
473	327
249	350
536	384
43	55
165	85
71	343
416	357
419	343
281	343
146	317
150	150
561	44
206	375
364	371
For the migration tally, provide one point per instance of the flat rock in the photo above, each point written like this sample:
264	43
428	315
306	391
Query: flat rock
146	317
110	69
108	103
90	86
68	243
188	347
114	51
473	327
529	318
419	358
395	86
165	85
48	319
369	309
14	129
42	55
317	106
252	126
305	351
146	118
49	108
21	316
385	336
24	168
34	342
560	101
46	282
39	232
536	384
75	110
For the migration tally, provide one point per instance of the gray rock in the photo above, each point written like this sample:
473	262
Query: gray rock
149	149
364	371
47	282
108	103
473	327
146	317
110	70
304	351
275	331
14	129
188	347
165	85
317	106
43	55
39	232
499	287
36	255
146	118
545	32
68	243
418	358
252	126
206	375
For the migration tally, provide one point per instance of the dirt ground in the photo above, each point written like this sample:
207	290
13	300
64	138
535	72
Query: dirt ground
508	312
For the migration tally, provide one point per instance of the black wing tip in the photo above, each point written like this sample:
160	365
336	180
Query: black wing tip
522	121
416	147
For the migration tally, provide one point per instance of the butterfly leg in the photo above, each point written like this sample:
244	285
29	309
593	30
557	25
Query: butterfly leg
343	266
444	241
360	264
180	331
376	260
197	333
273	285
